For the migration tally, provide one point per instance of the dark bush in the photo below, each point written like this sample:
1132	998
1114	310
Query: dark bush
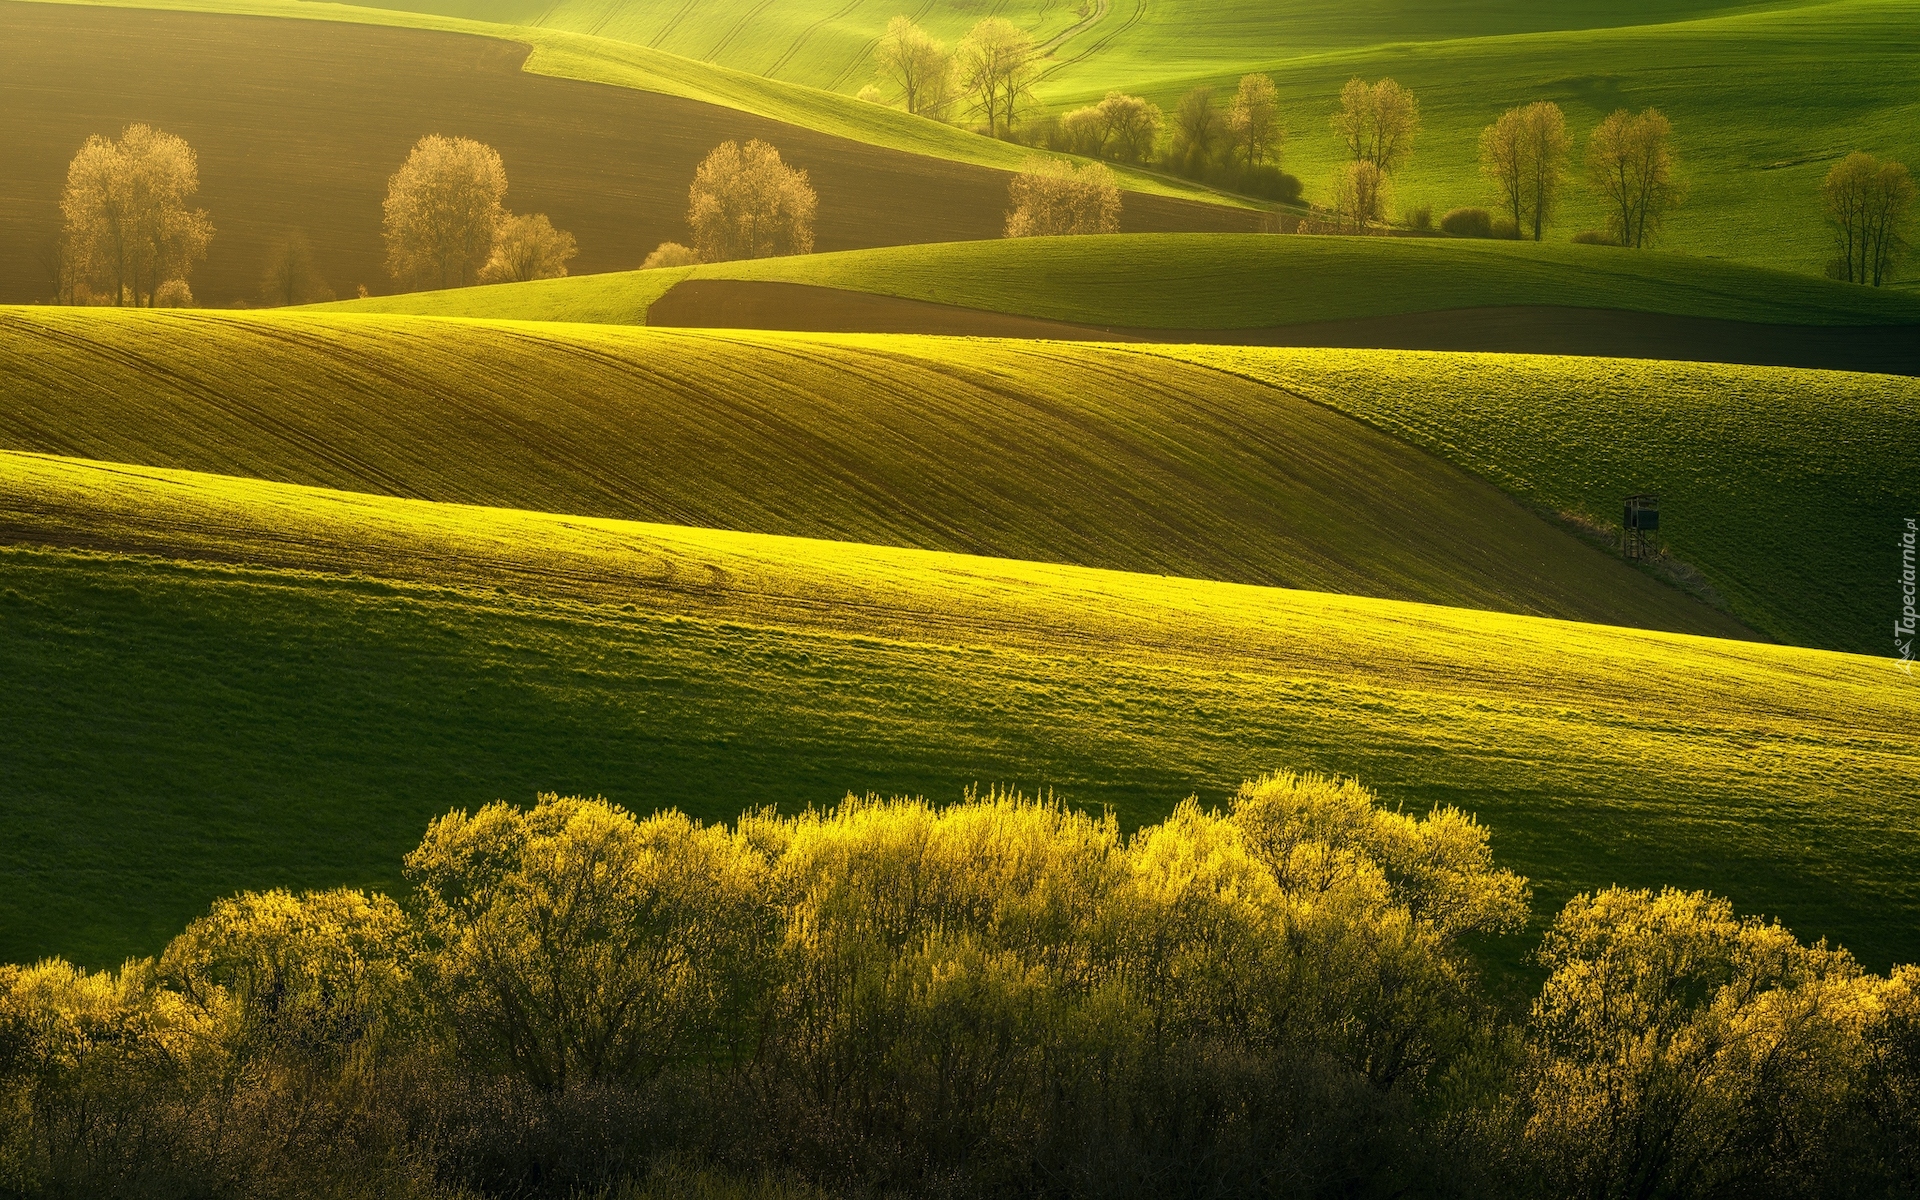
1468	222
1420	220
1505	229
1270	183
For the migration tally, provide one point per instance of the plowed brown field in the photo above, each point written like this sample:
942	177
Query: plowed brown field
298	124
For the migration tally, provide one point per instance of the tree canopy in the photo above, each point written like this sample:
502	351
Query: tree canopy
442	209
1051	198
128	230
746	203
1630	163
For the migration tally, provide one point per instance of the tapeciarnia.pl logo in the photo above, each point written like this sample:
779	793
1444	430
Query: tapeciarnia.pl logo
1904	626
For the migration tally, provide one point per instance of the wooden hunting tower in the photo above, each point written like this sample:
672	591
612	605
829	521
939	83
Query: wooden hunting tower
1640	527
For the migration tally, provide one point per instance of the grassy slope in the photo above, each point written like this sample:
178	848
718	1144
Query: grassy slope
1096	455
179	731
601	60
1749	462
1064	453
1224	281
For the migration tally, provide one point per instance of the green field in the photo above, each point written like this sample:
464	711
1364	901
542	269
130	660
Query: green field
1060	453
178	731
1221	281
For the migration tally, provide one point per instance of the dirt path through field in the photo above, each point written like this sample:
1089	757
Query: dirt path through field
1539	329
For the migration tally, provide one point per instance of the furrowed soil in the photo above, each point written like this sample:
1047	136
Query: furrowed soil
299	124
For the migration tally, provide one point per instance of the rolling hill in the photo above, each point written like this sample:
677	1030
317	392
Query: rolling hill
244	684
298	124
1056	453
1784	488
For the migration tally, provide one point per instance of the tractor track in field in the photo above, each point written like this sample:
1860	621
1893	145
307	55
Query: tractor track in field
866	52
250	414
666	31
1107	39
1100	10
747	18
806	33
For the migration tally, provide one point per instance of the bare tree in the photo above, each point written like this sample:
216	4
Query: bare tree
60	270
442	209
1132	126
1868	203
995	67
1197	130
289	276
1085	131
1255	119
1050	198
1525	154
1887	220
127	225
746	203
1377	122
916	66
1630	163
528	247
1360	195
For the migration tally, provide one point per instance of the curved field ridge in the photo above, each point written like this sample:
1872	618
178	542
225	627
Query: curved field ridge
296	726
1058	453
1173	281
1515	329
1251	281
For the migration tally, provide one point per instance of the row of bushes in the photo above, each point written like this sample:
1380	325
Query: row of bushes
1479	223
1001	997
